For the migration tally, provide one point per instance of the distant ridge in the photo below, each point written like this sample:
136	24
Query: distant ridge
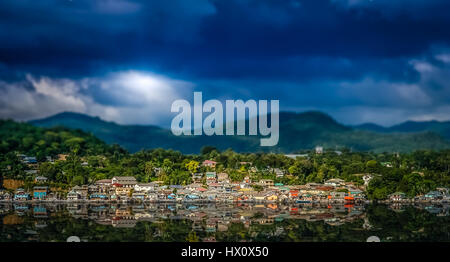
298	131
442	128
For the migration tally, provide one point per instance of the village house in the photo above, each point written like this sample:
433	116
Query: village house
271	197
62	157
433	195
193	186
124	181
197	177
40	192
397	196
72	196
83	191
222	177
121	190
293	194
294	156
266	182
319	150
356	193
259	197
139	196
443	190
29	160
158	171
215	186
40	179
209	163
20	194
31	172
211	177
145	187
337	195
99	196
103	186
335	182
278	172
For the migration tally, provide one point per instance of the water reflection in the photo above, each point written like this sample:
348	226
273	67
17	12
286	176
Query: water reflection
222	222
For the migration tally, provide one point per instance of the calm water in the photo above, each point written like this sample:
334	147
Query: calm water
223	222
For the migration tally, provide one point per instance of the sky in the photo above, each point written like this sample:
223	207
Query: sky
126	61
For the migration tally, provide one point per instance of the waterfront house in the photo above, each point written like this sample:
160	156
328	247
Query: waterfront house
259	196
40	192
20	194
139	196
103	186
192	197
72	195
271	197
337	195
356	193
152	196
83	191
397	196
433	195
99	196
121	190
444	191
145	187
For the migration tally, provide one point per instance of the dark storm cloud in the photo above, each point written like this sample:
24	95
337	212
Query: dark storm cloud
322	54
210	38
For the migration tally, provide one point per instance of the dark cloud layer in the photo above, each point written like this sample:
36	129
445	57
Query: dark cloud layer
330	55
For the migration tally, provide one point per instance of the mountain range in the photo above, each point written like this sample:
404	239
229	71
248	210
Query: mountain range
298	131
442	128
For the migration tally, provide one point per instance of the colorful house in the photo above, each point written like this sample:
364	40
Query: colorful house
40	192
21	195
209	163
397	196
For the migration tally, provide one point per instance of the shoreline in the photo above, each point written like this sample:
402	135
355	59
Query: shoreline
231	201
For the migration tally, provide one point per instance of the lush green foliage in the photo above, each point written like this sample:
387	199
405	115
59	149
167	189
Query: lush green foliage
89	160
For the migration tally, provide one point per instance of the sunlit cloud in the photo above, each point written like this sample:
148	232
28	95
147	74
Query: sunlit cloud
129	97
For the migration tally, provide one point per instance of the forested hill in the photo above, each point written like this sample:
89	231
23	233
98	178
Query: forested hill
41	142
438	127
298	131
